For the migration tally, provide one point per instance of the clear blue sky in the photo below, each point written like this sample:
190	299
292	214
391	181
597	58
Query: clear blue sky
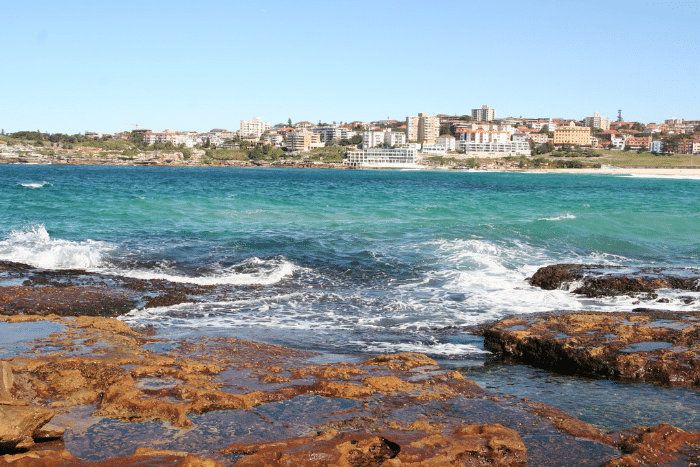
75	66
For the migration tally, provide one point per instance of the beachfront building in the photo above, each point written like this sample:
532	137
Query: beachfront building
433	150
688	146
480	135
372	139
572	135
637	143
333	134
255	127
422	129
484	114
618	141
394	138
397	158
495	149
449	142
388	138
188	139
596	121
274	139
657	147
302	140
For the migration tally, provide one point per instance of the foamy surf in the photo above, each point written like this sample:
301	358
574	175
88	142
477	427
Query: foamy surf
253	271
35	247
35	185
558	218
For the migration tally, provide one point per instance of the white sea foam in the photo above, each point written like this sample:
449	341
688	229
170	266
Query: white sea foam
253	271
35	185
558	218
34	246
434	348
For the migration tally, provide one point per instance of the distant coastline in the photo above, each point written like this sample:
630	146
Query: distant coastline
30	156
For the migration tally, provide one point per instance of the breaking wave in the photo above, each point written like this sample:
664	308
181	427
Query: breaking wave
35	185
35	247
558	218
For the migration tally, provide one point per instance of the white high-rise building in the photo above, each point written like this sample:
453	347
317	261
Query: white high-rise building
484	114
255	127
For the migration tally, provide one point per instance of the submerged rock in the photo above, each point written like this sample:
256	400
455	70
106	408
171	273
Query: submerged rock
652	346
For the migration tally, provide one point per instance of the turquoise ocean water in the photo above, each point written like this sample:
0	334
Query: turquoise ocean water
348	261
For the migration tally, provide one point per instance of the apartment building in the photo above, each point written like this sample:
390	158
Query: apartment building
688	146
255	127
657	147
302	140
372	139
538	138
394	138
174	138
635	143
484	114
330	134
422	129
573	135
495	149
618	141
449	142
481	135
596	121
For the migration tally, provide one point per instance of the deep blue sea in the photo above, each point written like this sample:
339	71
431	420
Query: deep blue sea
348	261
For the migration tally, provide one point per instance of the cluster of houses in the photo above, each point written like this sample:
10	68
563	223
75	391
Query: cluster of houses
481	134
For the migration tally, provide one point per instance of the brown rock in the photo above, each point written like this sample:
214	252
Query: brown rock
402	361
660	445
7	380
18	425
602	280
472	445
651	346
388	384
188	459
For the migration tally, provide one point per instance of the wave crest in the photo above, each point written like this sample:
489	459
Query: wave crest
35	185
253	271
34	246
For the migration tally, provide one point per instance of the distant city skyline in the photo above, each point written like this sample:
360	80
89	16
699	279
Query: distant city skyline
79	66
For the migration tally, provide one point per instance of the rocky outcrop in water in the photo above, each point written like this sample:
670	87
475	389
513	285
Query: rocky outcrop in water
607	281
657	347
78	292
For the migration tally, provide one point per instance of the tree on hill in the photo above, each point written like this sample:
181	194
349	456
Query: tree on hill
447	129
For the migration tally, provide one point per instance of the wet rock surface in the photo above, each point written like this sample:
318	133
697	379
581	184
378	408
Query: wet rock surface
127	398
28	290
607	281
651	346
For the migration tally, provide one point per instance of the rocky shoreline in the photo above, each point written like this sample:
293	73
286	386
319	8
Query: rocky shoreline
90	389
389	410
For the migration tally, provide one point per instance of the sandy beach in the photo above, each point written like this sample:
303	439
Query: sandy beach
657	171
